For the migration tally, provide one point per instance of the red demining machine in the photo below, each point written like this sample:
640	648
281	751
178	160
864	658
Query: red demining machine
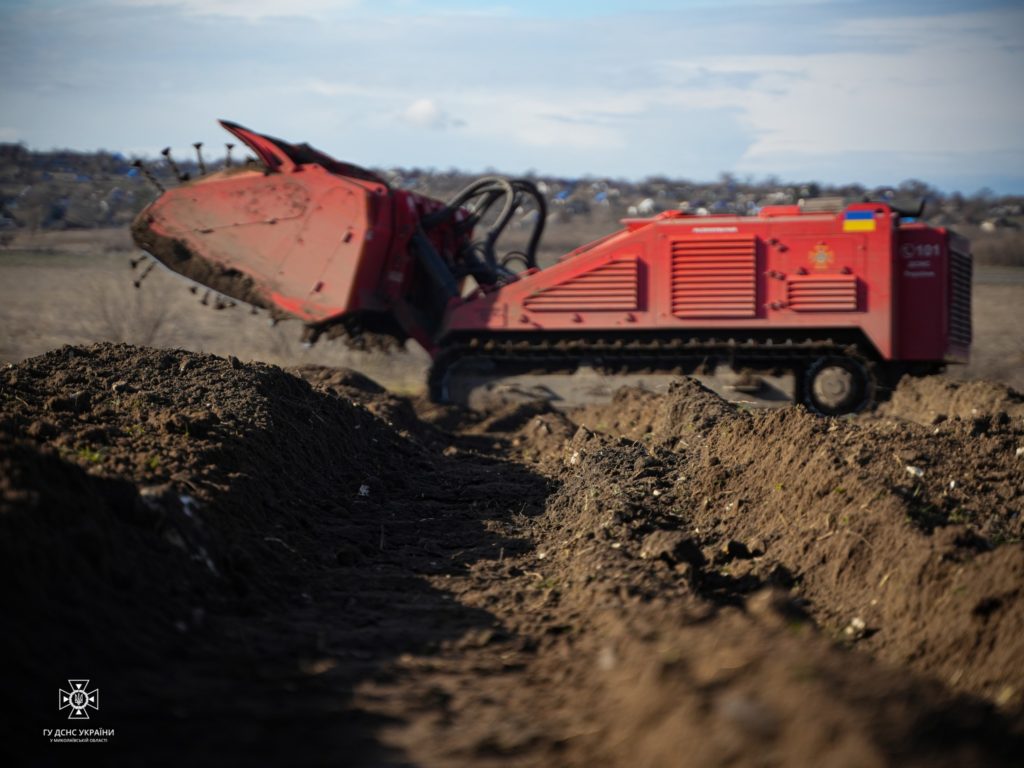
827	308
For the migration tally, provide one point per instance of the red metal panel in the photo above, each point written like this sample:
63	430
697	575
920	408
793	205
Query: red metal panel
714	277
613	286
923	283
822	293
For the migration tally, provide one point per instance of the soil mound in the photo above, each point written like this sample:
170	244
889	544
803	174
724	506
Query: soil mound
933	399
698	653
688	409
361	390
204	454
901	538
341	379
155	504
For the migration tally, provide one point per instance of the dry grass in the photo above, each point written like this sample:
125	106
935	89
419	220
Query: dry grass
1002	248
120	312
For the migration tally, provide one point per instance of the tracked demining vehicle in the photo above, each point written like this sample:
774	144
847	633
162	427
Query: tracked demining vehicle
824	307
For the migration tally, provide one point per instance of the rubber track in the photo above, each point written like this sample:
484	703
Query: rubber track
658	354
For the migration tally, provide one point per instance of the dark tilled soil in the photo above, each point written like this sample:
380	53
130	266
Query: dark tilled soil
932	400
258	566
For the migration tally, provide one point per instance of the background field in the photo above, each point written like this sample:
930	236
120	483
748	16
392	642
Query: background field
76	286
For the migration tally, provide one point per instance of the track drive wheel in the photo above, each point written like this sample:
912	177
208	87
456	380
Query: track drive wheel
833	386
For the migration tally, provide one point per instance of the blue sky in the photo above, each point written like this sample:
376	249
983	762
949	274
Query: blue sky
834	91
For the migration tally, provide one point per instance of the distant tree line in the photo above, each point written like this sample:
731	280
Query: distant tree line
65	189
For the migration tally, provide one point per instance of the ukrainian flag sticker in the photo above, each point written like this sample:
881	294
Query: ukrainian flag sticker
859	221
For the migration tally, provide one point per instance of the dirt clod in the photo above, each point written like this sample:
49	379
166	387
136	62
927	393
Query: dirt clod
671	546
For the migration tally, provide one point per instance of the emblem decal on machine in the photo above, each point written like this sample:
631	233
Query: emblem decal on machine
821	256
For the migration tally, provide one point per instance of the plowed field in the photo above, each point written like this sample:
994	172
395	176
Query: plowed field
266	566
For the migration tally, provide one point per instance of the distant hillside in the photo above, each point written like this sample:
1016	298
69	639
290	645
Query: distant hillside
64	189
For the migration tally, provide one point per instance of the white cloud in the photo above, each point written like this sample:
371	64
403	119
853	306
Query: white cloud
941	87
249	10
554	120
7	133
425	113
952	30
533	117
